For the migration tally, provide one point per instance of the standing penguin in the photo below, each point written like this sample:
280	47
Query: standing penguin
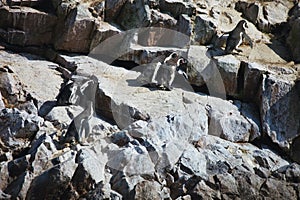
236	36
164	73
182	68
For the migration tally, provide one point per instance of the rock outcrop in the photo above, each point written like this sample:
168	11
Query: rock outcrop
78	126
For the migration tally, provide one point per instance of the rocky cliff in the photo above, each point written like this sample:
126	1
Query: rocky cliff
80	118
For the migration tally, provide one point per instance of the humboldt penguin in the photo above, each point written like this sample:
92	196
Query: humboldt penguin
164	73
182	67
236	36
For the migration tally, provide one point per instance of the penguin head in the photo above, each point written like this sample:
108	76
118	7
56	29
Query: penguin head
172	59
181	61
242	24
174	55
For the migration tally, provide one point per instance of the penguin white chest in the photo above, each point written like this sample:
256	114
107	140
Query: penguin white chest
240	40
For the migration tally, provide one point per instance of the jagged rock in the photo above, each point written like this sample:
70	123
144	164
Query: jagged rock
159	19
18	128
76	31
44	154
185	25
177	7
100	192
11	89
263	15
61	116
228	123
90	170
201	30
147	190
229	68
273	187
103	31
280	113
27	26
251	75
202	190
134	14
194	160
251	113
204	30
22	183
56	178
21	81
293	40
112	9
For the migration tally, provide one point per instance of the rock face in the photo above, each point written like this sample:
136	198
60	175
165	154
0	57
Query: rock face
94	127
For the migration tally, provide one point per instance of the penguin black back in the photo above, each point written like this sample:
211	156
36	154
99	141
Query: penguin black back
235	37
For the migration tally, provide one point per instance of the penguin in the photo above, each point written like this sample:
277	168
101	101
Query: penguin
182	68
164	73
236	36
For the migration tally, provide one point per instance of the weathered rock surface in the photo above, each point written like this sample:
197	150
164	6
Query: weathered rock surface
262	13
74	127
293	39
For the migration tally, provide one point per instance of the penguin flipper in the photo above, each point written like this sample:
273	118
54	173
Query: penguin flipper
248	39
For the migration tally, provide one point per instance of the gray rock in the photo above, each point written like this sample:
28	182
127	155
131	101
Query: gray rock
2	105
194	160
228	123
41	154
159	19
280	113
147	190
75	31
134	14
205	71
229	67
112	9
275	188
89	172
56	178
185	25
204	30
293	39
61	116
22	87
251	80
178	7
28	26
18	127
263	15
201	30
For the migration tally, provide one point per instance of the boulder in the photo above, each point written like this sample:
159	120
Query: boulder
147	190
200	29
75	32
61	116
229	67
280	113
18	128
20	84
26	26
56	178
263	15
159	19
89	172
134	14
177	7
112	9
